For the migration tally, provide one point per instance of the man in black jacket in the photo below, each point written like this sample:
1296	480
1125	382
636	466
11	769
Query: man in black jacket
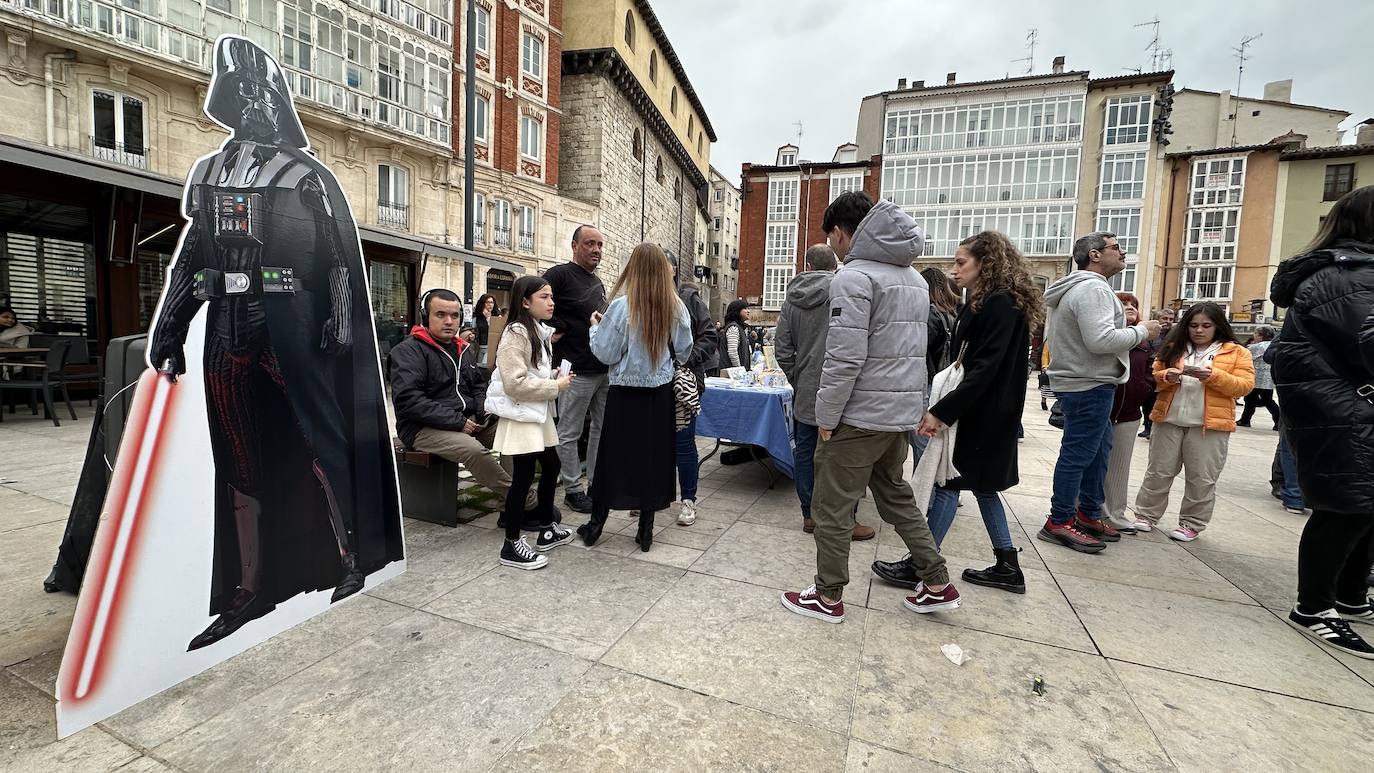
439	391
577	293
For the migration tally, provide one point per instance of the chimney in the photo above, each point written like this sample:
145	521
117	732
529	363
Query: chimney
901	83
1364	133
1279	91
1059	65
949	78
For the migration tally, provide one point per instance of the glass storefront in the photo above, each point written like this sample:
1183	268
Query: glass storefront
50	282
390	287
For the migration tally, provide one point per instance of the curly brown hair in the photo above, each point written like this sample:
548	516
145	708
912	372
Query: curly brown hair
1004	268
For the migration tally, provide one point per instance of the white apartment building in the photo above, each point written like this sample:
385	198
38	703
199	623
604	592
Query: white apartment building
999	155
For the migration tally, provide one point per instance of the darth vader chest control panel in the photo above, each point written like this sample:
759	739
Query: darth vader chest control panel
238	216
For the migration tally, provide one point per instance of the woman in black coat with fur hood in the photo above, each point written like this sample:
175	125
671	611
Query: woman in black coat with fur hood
1324	372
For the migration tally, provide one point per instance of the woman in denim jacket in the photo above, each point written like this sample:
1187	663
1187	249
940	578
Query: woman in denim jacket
644	330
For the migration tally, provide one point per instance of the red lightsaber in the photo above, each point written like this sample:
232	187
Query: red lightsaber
98	609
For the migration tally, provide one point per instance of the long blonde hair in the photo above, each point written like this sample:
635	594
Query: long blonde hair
648	286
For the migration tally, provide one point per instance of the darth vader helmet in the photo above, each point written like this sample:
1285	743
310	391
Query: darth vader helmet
250	95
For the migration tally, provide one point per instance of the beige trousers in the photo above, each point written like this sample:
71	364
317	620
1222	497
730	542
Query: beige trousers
1119	473
1200	454
474	454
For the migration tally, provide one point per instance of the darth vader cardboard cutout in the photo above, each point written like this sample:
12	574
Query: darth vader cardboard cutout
256	484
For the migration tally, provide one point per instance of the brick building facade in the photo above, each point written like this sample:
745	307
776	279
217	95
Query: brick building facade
782	207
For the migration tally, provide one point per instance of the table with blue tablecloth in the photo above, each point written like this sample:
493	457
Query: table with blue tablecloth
754	416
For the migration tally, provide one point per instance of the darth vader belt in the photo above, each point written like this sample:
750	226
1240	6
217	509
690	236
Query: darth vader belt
268	280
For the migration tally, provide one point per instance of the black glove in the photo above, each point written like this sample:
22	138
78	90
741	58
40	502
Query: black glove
337	335
166	352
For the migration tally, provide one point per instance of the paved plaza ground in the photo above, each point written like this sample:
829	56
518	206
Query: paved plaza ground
1156	656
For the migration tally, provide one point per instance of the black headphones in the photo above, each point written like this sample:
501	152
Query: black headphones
424	305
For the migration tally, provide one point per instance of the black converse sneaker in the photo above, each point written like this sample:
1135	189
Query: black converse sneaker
552	536
1357	613
1328	628
520	555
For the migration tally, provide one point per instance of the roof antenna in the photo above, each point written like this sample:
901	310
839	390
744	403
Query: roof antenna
1031	37
1160	58
1240	73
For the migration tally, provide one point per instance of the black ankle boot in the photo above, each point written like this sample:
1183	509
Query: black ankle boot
353	578
590	531
645	537
1005	574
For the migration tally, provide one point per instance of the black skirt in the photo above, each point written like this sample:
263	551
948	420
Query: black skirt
637	460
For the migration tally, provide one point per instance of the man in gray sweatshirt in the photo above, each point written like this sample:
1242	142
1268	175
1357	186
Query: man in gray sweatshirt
1089	355
870	396
800	348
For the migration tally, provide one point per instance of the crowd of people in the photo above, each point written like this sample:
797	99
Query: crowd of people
885	360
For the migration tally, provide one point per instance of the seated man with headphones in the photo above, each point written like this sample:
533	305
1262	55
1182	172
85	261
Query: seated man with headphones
438	390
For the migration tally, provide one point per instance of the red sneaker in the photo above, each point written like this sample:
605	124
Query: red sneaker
1095	527
810	604
926	600
1069	536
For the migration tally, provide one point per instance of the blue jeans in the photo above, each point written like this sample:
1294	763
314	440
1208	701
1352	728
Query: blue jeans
918	448
945	502
1081	472
804	437
1289	491
687	460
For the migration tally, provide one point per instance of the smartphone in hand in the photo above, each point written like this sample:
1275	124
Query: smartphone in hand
564	368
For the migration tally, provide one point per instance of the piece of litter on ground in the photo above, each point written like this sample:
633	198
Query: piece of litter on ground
1038	685
955	653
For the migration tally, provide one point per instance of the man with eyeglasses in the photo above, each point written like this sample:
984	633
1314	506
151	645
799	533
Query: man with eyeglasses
1089	350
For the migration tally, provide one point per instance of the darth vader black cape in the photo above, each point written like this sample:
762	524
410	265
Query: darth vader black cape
300	551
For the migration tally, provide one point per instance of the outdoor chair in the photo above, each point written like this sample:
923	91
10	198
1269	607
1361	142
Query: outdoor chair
43	379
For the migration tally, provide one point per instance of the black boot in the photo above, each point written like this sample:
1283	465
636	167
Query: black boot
352	581
645	536
900	573
590	531
1005	574
245	608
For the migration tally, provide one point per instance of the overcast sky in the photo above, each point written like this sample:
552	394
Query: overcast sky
760	66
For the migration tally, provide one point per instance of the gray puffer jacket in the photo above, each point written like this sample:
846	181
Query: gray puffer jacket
800	342
874	376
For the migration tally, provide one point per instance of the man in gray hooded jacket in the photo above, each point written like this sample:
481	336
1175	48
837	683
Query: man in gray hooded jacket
1089	355
800	349
869	398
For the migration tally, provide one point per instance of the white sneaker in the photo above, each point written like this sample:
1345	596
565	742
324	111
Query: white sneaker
1142	525
687	515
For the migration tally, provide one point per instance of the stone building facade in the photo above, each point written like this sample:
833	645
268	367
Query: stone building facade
101	119
636	138
719	264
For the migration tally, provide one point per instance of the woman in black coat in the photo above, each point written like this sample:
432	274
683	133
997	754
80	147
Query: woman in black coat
1324	372
992	334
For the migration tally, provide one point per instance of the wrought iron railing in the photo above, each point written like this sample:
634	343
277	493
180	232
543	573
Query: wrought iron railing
113	152
393	215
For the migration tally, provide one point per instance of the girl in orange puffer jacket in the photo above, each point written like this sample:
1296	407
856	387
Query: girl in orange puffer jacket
1200	371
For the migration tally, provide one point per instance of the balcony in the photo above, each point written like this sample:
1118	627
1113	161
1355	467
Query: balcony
113	152
479	232
500	237
393	215
526	242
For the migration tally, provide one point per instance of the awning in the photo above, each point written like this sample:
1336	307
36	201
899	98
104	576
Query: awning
62	162
411	243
